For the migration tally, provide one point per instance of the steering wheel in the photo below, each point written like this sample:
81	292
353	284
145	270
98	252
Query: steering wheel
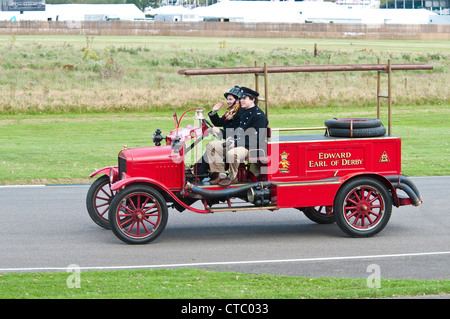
211	126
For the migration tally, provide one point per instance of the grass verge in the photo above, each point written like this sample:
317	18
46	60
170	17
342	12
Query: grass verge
202	284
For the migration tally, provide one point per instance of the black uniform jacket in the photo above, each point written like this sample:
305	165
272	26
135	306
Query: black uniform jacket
251	129
222	122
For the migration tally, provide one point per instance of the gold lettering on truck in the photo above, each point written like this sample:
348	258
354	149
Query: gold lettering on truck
334	155
333	159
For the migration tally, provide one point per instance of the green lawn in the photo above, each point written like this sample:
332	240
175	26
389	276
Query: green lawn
66	148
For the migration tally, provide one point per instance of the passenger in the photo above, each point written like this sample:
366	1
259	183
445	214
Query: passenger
227	121
249	132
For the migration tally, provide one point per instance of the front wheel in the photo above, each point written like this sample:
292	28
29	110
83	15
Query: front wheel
362	207
98	199
138	214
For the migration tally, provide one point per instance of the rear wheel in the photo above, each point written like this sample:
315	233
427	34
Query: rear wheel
362	207
320	214
138	214
98	199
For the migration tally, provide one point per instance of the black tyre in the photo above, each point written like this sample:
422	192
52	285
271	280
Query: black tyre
362	207
352	123
138	214
360	132
319	214
98	199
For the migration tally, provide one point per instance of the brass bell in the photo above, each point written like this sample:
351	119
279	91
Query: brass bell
199	114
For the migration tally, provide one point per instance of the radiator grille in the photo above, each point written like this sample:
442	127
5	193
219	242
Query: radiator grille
122	166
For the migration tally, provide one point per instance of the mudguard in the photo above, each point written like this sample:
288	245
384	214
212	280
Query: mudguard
381	178
111	171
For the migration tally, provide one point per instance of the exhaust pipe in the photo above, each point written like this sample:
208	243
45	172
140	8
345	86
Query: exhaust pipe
406	185
408	190
228	192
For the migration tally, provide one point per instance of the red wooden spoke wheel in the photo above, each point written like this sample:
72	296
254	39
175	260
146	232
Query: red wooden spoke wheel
138	214
362	207
320	214
98	199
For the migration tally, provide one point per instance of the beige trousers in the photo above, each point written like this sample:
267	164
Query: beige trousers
234	156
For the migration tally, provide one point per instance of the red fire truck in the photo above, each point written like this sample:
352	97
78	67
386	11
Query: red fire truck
349	173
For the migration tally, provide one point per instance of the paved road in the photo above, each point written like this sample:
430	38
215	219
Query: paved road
48	228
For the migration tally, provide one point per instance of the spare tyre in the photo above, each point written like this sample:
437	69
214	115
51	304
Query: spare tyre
352	123
357	132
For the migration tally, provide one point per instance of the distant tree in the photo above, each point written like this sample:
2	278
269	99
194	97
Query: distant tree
141	4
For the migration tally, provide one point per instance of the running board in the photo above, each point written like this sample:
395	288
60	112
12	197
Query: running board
241	208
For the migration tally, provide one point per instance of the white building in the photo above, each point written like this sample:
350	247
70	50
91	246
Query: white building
308	11
373	4
172	13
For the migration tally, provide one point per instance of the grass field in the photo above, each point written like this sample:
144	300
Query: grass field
69	104
89	74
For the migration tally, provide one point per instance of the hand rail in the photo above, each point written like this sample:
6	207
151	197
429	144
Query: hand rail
304	68
265	70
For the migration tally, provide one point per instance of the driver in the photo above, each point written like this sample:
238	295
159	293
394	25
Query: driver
227	121
250	130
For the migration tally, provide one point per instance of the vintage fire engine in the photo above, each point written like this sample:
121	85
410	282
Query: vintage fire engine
351	174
